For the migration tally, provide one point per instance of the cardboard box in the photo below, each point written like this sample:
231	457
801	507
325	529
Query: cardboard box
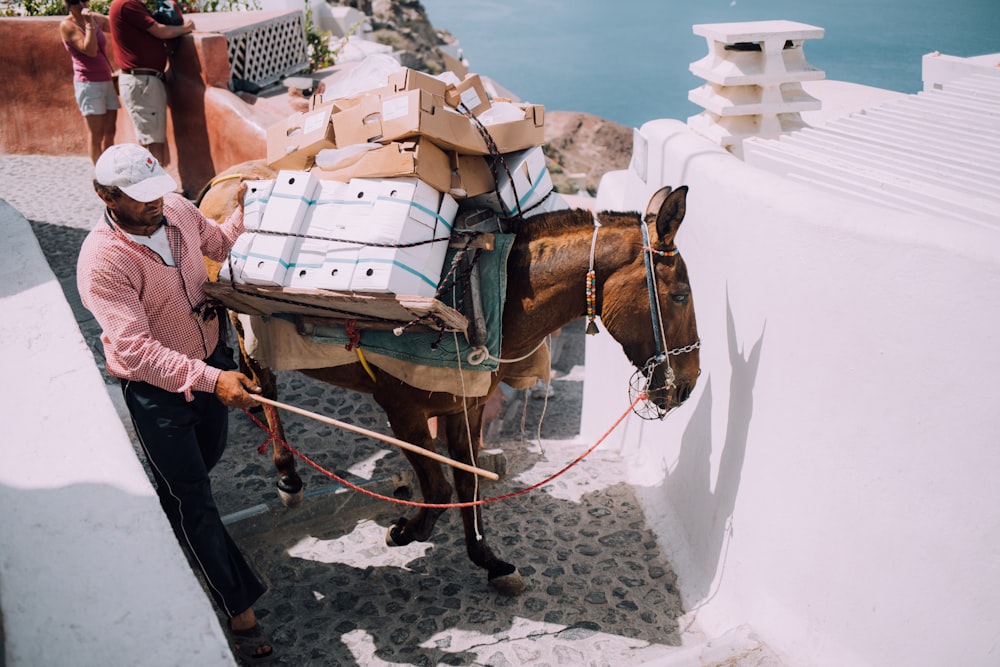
293	142
554	202
410	79
382	118
232	267
396	210
471	93
402	271
470	176
418	158
290	199
524	183
254	202
268	260
323	265
453	62
518	134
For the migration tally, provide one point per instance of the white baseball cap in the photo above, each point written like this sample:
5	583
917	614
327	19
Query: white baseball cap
135	171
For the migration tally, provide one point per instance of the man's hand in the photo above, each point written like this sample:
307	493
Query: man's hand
236	390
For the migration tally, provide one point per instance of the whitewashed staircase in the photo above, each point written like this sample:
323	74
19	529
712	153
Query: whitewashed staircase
936	152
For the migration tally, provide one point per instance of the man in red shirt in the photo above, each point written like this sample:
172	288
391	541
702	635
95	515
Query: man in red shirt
141	273
142	50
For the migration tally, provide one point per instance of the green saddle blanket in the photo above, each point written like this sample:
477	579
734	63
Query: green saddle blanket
450	350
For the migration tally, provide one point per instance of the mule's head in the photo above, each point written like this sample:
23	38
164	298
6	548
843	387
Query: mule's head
648	308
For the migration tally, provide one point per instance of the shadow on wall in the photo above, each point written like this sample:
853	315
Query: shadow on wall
708	520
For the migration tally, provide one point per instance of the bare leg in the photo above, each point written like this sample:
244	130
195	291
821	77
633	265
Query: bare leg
95	128
159	151
108	129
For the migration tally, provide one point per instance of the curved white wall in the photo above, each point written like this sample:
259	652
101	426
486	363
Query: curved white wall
831	481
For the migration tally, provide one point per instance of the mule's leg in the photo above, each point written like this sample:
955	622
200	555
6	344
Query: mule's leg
434	486
290	486
503	576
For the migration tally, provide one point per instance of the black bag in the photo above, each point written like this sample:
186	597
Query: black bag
167	14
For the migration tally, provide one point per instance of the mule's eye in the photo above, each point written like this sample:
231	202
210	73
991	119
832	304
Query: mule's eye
679	298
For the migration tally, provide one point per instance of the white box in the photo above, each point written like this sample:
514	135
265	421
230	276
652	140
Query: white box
325	217
531	181
255	201
237	259
290	199
323	265
395	210
554	202
406	271
268	260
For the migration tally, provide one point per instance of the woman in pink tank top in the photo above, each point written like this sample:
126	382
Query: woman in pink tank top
82	34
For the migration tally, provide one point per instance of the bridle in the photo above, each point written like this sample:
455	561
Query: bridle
639	384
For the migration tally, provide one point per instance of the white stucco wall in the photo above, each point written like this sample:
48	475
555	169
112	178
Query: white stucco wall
831	480
90	572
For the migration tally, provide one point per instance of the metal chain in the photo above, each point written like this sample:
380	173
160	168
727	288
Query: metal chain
684	350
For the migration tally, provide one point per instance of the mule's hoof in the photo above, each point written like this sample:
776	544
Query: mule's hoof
289	499
392	537
509	585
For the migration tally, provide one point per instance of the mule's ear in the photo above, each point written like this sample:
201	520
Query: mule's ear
670	212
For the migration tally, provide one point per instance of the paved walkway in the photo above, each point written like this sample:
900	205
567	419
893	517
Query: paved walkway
599	589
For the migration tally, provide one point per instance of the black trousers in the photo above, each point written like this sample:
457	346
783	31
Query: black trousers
183	441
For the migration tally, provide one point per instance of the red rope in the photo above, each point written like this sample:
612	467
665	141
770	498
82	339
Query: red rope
273	437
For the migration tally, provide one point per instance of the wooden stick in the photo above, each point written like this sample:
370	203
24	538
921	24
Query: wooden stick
378	436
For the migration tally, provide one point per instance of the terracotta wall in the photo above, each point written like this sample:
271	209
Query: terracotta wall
209	128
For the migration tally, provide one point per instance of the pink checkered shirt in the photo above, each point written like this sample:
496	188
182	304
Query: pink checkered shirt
146	308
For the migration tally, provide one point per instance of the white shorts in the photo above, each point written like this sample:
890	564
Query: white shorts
96	98
145	100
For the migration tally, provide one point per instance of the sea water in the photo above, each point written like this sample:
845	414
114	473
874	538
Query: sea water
627	61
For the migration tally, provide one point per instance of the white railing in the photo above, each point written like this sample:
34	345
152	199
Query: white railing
266	52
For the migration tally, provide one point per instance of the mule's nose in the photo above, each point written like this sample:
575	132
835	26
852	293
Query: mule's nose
684	392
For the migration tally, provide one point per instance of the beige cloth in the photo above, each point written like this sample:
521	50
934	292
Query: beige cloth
275	343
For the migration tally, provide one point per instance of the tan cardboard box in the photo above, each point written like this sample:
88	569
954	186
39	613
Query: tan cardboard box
294	142
409	79
519	134
413	157
381	118
469	92
470	176
453	64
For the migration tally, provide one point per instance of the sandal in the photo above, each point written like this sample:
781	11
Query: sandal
247	644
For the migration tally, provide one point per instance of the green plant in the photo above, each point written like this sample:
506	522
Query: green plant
45	8
317	45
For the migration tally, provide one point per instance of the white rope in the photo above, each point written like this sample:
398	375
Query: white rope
468	435
593	242
480	354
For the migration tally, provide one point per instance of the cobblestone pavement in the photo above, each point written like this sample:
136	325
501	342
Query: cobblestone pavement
599	589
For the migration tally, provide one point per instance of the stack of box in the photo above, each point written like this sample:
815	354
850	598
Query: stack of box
384	235
399	162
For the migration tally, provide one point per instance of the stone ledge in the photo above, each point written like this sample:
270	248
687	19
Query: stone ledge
91	573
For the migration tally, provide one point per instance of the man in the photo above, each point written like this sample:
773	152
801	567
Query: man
141	273
142	51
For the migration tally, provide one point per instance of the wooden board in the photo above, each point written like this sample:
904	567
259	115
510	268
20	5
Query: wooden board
316	306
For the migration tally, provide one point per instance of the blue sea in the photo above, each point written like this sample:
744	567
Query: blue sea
627	61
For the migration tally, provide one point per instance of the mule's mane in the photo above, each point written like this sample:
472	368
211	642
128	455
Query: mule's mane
556	222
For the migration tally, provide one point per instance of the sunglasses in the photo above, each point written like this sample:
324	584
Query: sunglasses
73	3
